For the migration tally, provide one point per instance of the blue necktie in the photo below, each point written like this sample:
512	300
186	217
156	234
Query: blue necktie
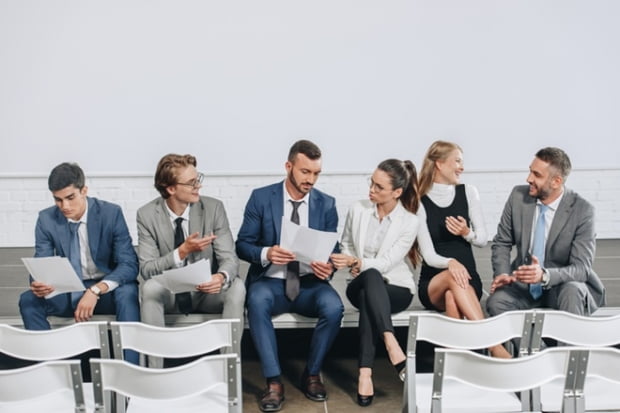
538	248
74	258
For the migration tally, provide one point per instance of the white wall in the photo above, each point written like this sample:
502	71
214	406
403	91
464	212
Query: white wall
22	198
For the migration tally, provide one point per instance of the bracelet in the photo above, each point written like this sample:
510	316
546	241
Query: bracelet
355	263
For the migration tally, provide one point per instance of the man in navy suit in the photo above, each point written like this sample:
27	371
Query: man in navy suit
102	253
272	289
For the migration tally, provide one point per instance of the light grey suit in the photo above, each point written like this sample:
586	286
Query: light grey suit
569	252
156	248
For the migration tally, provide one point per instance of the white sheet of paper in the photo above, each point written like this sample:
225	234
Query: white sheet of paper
55	271
185	279
308	244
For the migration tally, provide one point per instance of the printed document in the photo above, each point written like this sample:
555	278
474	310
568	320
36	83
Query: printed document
55	271
184	279
308	244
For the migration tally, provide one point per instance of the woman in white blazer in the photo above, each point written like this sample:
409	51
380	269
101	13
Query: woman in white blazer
378	236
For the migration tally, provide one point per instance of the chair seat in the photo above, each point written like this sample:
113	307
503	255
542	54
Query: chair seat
462	398
600	395
215	400
58	402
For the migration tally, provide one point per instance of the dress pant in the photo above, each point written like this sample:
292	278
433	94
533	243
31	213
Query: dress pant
573	297
157	301
376	301
122	301
317	298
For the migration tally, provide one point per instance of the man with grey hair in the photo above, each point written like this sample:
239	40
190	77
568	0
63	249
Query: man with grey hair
552	228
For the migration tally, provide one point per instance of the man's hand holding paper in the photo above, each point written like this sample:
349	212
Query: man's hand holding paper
309	245
186	279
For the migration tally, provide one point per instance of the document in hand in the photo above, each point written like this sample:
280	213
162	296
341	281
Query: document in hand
308	244
184	279
55	271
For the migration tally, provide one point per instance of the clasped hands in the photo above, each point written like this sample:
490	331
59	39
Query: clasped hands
347	261
281	256
527	273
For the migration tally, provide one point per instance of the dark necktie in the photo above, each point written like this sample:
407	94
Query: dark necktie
74	258
538	248
183	300
292	268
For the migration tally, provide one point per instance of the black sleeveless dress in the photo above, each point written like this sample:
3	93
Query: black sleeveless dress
447	244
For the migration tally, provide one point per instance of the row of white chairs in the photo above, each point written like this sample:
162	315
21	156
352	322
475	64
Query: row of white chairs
424	392
212	382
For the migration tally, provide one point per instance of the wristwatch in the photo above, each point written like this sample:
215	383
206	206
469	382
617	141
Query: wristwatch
95	290
545	277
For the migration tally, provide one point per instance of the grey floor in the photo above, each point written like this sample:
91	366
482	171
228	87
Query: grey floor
340	369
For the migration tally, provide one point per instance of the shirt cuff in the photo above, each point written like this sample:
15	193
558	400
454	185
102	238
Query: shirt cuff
469	237
227	280
178	262
111	285
263	257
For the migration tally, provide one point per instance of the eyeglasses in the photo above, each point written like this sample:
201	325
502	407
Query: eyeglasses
194	183
375	186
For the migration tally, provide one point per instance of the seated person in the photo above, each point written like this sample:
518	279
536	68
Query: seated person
182	227
93	235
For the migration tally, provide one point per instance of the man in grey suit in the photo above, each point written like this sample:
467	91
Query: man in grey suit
552	228
179	228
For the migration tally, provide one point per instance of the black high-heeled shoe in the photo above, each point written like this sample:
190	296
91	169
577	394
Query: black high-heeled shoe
364	401
401	369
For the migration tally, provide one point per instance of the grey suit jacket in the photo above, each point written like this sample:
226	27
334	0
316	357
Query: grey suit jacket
156	237
569	250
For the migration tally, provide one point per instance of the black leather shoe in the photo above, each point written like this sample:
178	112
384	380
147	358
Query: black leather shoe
272	398
313	388
364	401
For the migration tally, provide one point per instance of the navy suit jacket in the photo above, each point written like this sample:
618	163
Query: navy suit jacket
108	237
262	221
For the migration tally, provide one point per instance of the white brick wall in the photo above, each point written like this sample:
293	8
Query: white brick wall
21	197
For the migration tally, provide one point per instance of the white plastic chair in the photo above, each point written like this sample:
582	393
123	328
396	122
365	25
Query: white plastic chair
597	386
575	330
180	342
208	384
50	387
57	344
465	335
491	375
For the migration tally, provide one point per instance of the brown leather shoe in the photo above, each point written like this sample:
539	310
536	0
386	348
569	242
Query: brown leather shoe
313	388
272	398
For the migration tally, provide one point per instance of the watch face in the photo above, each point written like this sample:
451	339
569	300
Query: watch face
95	290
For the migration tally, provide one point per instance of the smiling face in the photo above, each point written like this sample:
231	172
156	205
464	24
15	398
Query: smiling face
545	183
302	174
187	189
449	169
71	201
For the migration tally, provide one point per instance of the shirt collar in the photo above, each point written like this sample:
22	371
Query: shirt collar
84	218
288	196
553	205
173	216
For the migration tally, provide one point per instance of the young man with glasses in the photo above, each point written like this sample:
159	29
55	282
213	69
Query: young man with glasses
182	227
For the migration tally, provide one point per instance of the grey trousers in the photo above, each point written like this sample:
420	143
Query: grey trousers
573	297
157	301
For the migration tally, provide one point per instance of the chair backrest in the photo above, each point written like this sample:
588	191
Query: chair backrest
51	386
210	381
175	342
462	334
505	375
179	342
55	344
574	329
598	363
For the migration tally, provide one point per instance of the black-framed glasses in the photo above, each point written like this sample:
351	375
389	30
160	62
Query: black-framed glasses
375	186
194	183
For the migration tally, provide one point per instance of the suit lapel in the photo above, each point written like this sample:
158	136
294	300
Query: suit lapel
64	235
315	207
277	209
197	218
393	230
560	218
93	226
162	220
363	227
528	219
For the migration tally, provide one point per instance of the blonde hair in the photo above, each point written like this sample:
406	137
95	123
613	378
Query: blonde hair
438	151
